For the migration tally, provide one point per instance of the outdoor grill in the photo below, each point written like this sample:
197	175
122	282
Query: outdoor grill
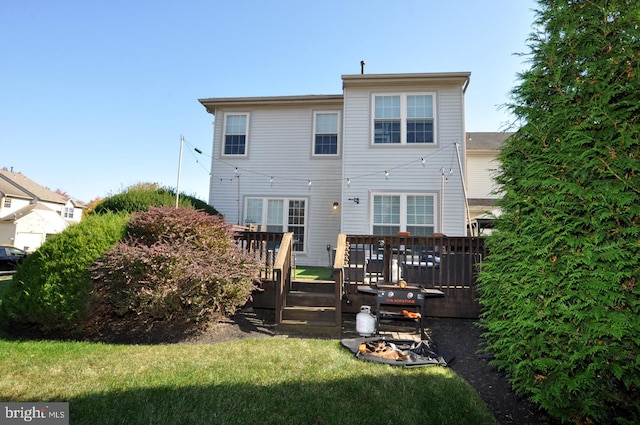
408	296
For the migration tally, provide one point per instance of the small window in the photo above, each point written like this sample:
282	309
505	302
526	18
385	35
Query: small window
7	202
235	134
68	212
325	133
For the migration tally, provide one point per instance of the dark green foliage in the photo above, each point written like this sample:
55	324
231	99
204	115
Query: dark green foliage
142	196
175	264
560	288
49	290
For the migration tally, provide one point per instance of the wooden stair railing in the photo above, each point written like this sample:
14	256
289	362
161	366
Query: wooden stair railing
282	273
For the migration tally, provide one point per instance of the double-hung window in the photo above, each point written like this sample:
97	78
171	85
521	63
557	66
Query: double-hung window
236	128
68	212
279	215
413	213
325	134
406	118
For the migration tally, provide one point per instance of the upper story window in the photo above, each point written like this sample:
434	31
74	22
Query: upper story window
236	129
7	202
68	212
325	133
403	118
413	213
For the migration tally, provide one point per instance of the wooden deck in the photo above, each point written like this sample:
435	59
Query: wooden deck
446	264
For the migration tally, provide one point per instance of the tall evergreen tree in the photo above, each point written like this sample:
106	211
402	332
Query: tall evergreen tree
560	288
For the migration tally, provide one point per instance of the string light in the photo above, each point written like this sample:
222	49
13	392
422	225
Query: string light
422	160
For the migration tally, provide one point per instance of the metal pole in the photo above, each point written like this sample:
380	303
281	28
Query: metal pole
442	201
179	171
464	191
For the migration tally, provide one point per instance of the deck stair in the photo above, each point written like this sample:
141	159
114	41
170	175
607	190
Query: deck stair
310	310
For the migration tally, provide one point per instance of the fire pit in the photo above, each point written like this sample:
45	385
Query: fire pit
395	352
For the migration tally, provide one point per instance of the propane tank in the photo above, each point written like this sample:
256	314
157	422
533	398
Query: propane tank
365	321
395	271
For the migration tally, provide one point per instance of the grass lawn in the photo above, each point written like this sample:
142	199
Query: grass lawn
261	381
315	273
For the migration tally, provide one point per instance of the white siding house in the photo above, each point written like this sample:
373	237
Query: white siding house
29	213
385	156
482	166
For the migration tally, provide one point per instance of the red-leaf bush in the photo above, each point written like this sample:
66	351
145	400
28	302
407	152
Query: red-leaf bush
179	265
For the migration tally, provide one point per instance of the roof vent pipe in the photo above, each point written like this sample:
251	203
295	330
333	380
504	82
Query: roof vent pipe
361	67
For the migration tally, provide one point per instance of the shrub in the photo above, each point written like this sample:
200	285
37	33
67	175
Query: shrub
179	264
560	286
49	290
141	196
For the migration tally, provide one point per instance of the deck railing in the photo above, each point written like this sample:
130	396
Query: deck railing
274	252
449	264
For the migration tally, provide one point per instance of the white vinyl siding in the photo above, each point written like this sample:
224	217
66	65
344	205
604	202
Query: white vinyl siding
481	168
407	173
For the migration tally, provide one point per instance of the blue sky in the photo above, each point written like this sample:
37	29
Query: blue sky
94	95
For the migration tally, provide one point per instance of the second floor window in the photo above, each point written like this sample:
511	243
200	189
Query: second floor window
7	202
403	119
68	212
325	140
235	134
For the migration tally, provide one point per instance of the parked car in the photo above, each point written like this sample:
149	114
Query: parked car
10	257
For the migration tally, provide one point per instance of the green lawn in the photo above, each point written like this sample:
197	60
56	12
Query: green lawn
315	273
263	381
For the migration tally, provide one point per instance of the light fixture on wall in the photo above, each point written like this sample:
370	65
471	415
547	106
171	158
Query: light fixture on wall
335	205
356	200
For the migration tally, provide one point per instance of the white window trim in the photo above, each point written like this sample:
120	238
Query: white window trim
68	212
403	117
285	211
313	135
403	209
224	135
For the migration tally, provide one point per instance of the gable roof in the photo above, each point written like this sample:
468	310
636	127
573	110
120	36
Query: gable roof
8	189
19	185
19	214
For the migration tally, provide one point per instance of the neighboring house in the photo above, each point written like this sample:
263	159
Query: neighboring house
29	213
383	157
482	193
